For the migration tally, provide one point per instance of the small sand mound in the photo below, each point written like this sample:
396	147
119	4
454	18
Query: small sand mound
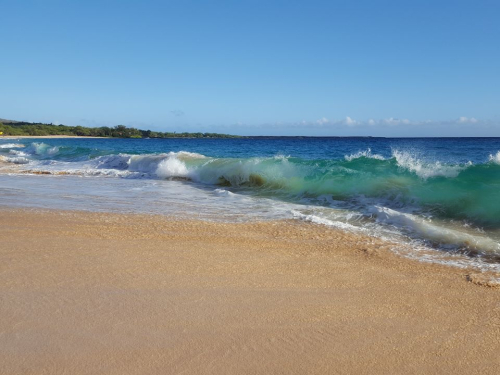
483	280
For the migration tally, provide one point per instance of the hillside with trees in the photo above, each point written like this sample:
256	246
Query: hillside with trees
19	128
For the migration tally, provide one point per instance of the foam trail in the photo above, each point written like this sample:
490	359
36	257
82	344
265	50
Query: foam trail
11	145
323	221
437	234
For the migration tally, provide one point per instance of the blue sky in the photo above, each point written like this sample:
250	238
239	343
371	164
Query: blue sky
388	68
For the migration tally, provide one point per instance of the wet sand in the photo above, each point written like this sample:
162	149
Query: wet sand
93	293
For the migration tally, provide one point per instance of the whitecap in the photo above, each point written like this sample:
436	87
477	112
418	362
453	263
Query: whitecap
426	170
171	167
495	158
364	154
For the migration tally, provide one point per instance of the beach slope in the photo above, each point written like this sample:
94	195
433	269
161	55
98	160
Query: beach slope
90	293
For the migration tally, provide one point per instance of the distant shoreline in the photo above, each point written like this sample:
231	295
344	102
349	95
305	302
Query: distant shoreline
46	136
30	129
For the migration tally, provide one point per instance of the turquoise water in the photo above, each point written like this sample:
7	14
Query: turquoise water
442	193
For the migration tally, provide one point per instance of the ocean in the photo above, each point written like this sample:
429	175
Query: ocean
434	199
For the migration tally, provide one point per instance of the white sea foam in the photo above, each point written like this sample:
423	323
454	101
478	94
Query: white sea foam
11	145
171	167
101	172
17	153
16	160
364	154
424	229
323	221
495	158
426	170
281	157
223	193
187	155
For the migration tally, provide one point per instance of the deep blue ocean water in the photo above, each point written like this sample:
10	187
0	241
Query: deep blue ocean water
442	193
449	150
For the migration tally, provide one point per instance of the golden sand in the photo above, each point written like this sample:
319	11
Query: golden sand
92	293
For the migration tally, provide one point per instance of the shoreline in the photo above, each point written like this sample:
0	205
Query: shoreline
91	292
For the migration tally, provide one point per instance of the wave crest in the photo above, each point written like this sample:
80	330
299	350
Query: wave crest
42	149
364	154
426	170
171	167
495	158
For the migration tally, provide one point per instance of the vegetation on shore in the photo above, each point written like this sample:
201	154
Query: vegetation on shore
119	131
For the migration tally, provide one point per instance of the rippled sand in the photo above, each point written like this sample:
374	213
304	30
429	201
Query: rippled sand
93	293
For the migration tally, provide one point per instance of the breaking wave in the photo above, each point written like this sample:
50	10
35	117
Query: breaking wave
495	158
425	169
461	192
424	199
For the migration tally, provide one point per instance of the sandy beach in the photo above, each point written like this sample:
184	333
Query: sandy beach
242	187
95	293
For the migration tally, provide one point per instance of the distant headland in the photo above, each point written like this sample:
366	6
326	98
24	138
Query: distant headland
34	129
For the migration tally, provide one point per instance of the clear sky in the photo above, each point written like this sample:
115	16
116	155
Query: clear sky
389	68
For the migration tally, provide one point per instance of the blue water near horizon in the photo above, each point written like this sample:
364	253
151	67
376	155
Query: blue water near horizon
440	193
449	149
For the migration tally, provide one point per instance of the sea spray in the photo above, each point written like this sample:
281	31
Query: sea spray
426	169
42	149
495	158
363	154
171	167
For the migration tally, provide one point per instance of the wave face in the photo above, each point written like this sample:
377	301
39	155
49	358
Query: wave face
443	193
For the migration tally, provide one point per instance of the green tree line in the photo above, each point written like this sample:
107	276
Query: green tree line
119	131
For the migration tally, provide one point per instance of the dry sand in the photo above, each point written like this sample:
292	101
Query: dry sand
91	293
